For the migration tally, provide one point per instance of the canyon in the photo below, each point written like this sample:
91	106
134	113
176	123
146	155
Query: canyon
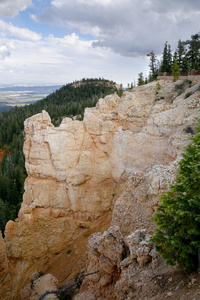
91	190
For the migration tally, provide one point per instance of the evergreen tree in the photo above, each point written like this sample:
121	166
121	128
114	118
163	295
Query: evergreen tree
119	93
169	58
153	66
175	57
150	77
166	64
140	79
193	54
7	213
177	237
175	70
185	64
180	55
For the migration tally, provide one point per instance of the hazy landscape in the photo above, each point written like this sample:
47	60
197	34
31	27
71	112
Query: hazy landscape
20	95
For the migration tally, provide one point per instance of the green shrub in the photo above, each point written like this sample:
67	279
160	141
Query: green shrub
158	86
177	238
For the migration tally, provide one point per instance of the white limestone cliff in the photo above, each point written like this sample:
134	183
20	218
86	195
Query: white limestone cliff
85	176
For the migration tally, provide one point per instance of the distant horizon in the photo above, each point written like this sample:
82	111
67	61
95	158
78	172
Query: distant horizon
10	85
50	84
29	85
20	95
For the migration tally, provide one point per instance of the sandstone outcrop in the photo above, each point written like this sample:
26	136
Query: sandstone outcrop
118	261
85	176
129	268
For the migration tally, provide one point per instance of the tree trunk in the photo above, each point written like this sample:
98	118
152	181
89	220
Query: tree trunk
198	253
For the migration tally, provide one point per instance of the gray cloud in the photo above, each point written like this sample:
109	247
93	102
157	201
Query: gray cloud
128	27
10	8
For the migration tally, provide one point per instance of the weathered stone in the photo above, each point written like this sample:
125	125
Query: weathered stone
139	246
39	286
119	159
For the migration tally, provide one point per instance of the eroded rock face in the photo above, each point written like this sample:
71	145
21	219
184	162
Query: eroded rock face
66	167
127	267
85	176
118	260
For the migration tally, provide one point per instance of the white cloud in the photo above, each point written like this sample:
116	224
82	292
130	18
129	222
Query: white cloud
4	51
119	35
61	60
129	27
10	8
21	33
70	41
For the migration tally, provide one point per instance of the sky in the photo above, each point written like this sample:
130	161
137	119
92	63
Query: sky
60	41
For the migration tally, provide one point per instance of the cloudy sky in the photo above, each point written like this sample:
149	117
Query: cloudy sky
59	41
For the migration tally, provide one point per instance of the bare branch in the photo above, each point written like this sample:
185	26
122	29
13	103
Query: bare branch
67	288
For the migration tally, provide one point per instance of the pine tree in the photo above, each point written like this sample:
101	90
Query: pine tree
169	59
153	65
140	79
175	57
166	64
180	54
175	70
193	55
150	77
177	238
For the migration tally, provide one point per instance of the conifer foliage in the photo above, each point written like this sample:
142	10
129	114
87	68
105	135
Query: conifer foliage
187	57
177	238
175	71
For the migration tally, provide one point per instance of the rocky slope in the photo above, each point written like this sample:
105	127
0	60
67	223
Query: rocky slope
84	177
129	268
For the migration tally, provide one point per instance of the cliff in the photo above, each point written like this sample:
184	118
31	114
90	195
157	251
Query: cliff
84	177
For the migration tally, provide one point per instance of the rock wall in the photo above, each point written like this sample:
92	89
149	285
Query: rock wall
85	176
128	267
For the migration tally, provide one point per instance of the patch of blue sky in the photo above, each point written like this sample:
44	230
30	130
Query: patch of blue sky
24	19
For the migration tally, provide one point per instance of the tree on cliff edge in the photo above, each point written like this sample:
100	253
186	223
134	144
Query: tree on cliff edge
166	64
175	71
177	238
140	79
153	65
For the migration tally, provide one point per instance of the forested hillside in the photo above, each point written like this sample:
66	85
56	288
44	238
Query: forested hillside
68	101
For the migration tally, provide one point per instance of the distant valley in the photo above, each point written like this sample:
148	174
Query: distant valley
20	95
